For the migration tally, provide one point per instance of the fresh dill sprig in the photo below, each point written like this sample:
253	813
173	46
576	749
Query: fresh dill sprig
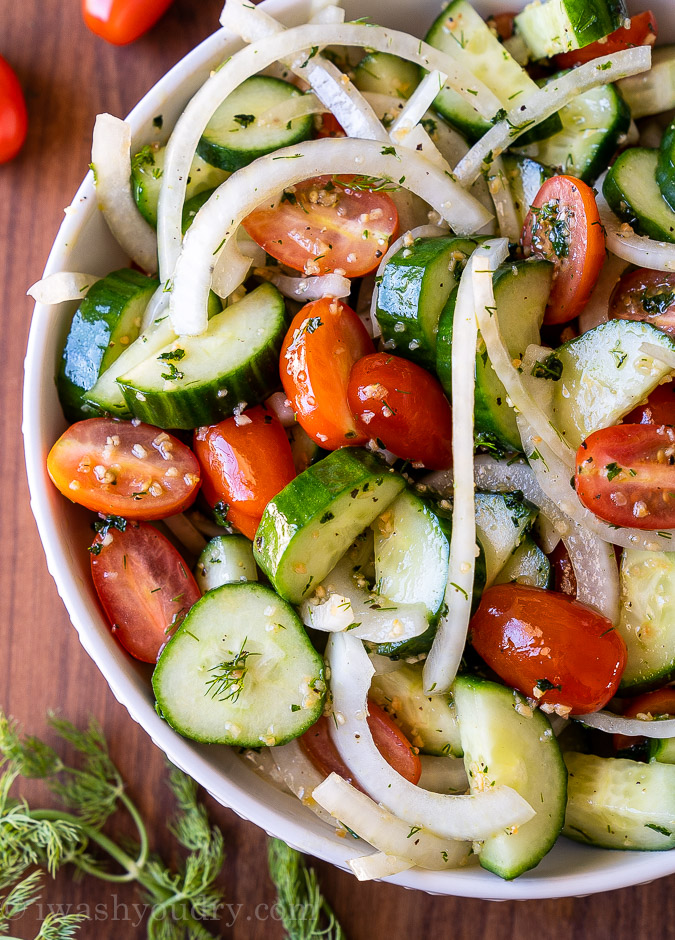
305	913
227	681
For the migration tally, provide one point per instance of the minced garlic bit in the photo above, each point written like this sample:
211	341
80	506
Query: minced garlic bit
139	451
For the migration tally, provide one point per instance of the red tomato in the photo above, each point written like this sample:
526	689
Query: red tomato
657	704
646	295
626	475
122	21
640	32
245	462
563	572
325	225
563	225
549	646
324	341
658	409
135	471
329	126
144	585
502	23
13	114
389	740
403	406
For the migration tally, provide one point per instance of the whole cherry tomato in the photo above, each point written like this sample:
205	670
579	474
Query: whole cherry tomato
641	31
13	114
645	295
122	21
658	409
657	704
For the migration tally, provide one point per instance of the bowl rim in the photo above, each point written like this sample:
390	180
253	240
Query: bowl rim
474	883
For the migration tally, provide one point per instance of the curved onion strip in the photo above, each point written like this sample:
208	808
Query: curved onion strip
261	181
329	14
666	356
443	774
417	105
616	724
111	157
61	286
186	533
596	310
466	817
344	100
300	775
378	865
384	831
288	110
543	103
505	209
157	307
475	291
636	249
280	405
545	533
208	528
307	288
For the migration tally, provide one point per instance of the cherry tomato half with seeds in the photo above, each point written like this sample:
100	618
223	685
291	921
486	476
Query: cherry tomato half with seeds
136	471
323	342
653	705
645	295
122	21
13	114
144	585
245	461
549	647
658	409
563	226
626	475
641	32
326	224
402	405
390	741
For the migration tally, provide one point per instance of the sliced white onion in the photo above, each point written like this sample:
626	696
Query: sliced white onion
636	249
208	528
281	406
505	208
344	100
475	290
307	288
289	110
329	15
300	776
596	310
616	724
556	94
666	356
378	865
386	832
443	774
62	286
417	105
111	157
545	533
261	181
186	533
467	817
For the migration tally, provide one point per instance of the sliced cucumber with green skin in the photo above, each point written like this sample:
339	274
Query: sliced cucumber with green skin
147	169
556	26
662	750
428	721
525	177
312	522
198	380
633	194
226	559
653	91
107	321
605	375
620	804
234	137
521	295
386	74
416	283
508	743
464	35
665	166
240	670
502	520
527	565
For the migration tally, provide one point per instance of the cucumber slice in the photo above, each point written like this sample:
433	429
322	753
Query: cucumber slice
310	525
506	742
502	520
521	295
654	91
106	322
197	380
620	804
386	74
416	283
633	194
665	166
226	559
240	670
562	25
527	565
428	721
662	750
525	177
233	137
604	376
462	33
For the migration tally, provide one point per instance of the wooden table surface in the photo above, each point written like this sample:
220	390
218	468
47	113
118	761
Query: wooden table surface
69	76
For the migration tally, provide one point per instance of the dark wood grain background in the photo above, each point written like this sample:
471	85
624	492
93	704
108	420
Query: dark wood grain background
69	76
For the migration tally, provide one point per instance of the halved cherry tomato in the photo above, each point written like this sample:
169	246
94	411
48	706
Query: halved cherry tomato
657	704
329	126
549	647
245	462
403	406
122	21
658	409
645	295
144	586
563	225
502	23
327	224
564	577
324	341
13	114
388	737
135	471
626	475
640	32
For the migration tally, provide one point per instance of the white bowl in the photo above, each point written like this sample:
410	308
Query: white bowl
84	244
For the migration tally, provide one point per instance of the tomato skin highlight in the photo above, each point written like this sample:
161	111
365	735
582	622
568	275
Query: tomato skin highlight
122	21
144	586
564	226
13	113
626	475
659	704
323	342
658	409
538	640
645	295
116	467
402	405
641	32
244	465
388	737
